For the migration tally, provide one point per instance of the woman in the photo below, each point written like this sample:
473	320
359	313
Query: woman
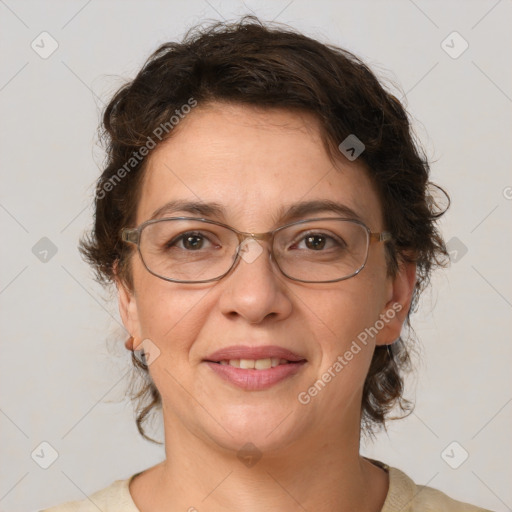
265	215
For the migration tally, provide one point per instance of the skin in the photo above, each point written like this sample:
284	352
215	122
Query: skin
254	162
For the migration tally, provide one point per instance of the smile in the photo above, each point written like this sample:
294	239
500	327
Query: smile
256	364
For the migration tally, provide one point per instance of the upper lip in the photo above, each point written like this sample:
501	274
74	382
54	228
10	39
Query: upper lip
245	352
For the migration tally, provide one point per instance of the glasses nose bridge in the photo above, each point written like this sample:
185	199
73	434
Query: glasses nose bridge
268	237
243	236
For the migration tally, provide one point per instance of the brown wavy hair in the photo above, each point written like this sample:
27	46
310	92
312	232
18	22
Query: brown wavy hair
272	66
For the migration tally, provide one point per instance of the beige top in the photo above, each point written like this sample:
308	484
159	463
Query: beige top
403	496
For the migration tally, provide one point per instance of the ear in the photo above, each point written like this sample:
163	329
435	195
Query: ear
128	311
397	307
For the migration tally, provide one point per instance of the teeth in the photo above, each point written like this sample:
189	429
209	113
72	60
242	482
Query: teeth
263	364
255	364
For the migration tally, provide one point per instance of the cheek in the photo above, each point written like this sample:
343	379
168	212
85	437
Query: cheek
172	318
169	314
342	312
340	321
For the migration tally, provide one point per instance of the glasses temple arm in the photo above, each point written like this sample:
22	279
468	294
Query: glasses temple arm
385	236
130	235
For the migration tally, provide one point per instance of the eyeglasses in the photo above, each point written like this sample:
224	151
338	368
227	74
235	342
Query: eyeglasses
196	250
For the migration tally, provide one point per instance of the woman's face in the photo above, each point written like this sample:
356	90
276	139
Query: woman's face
255	165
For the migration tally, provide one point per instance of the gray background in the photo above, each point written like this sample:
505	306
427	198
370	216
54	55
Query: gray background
63	366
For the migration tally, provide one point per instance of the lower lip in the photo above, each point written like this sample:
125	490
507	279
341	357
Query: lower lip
255	380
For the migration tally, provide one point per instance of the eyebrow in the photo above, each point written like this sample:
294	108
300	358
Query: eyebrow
305	208
194	207
285	214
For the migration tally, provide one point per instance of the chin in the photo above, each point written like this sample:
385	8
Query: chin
267	429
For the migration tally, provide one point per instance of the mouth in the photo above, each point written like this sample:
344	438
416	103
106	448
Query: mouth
266	356
256	364
255	368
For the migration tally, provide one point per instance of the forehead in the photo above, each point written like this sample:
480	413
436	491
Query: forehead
254	164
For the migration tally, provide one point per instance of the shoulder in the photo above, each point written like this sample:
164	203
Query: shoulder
405	495
114	498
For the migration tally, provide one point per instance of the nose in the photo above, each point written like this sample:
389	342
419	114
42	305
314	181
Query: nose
255	290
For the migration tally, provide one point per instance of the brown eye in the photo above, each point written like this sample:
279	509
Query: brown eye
188	242
193	242
315	242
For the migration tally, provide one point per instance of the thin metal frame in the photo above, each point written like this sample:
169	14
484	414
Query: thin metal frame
133	236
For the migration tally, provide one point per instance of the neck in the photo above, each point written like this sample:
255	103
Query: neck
310	474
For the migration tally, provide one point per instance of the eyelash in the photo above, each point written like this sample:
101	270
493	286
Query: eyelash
303	237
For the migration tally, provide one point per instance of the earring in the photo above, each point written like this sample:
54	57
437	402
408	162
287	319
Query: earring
129	343
137	353
140	355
